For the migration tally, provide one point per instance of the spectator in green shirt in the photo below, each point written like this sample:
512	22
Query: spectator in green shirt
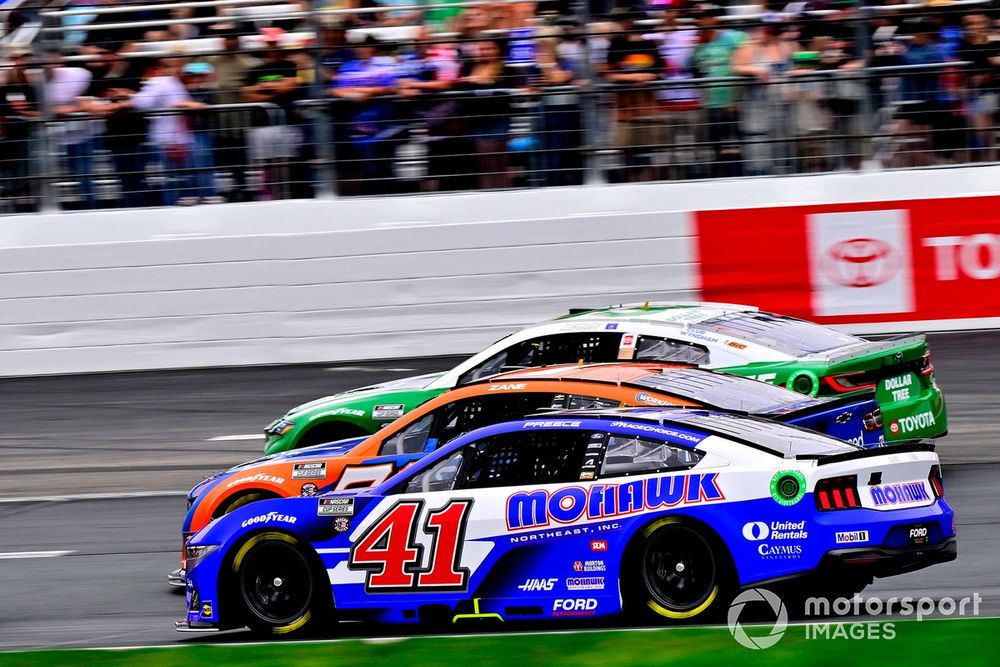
713	58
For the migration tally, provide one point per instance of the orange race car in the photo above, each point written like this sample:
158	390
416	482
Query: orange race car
363	462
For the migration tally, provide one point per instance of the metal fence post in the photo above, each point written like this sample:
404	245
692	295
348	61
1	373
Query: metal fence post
869	123
325	185
44	165
589	112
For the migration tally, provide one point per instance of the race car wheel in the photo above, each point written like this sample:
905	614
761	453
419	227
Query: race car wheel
680	575
277	584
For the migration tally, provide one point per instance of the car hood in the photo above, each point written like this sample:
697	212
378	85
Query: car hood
327	450
414	382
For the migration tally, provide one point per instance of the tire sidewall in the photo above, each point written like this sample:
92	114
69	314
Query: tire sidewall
307	616
641	604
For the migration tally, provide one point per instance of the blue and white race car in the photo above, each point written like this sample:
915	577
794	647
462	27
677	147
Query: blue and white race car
661	513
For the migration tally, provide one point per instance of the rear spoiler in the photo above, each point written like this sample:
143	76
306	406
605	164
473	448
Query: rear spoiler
875	347
904	446
819	403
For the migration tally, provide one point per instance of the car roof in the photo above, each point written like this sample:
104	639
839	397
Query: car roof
687	426
776	437
599	372
703	387
678	314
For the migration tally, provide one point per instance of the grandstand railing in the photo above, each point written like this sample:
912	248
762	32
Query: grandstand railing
806	122
799	121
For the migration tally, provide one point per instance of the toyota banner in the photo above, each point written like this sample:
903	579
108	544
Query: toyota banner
900	261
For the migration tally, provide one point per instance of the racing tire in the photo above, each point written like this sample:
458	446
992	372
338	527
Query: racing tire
679	573
276	580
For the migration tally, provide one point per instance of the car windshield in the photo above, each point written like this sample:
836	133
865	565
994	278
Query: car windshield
726	392
784	334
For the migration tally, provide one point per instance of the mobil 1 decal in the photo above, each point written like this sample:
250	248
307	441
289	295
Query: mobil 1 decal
395	561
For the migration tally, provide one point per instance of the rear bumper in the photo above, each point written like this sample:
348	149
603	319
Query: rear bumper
923	416
886	562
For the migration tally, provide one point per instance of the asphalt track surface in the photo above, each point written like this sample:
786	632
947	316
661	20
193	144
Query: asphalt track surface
99	576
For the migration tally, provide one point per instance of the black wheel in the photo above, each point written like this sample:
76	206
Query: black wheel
680	574
329	432
277	584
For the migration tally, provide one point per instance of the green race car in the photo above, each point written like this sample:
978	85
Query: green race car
803	356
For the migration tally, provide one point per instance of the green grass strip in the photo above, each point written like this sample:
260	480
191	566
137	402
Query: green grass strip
968	641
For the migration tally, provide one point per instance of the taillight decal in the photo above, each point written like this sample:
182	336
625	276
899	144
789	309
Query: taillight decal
837	493
937	484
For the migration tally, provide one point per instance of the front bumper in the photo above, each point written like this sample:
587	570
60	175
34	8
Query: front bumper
177	578
188	626
886	562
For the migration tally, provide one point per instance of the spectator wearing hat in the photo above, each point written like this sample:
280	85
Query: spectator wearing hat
333	48
197	80
366	126
633	63
276	79
713	58
427	69
18	105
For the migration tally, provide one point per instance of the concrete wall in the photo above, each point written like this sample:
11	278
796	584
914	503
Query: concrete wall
305	281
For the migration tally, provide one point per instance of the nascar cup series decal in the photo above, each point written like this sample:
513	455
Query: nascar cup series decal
335	507
309	471
388	412
788	487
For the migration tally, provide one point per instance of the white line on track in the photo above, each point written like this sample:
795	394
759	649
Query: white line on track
459	635
369	369
93	496
247	436
13	555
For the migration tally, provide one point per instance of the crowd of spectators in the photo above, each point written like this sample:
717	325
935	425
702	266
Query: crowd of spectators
177	105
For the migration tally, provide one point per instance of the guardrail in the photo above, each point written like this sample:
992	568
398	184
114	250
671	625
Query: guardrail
140	159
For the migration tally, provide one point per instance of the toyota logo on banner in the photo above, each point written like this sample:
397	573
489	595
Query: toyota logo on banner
860	262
